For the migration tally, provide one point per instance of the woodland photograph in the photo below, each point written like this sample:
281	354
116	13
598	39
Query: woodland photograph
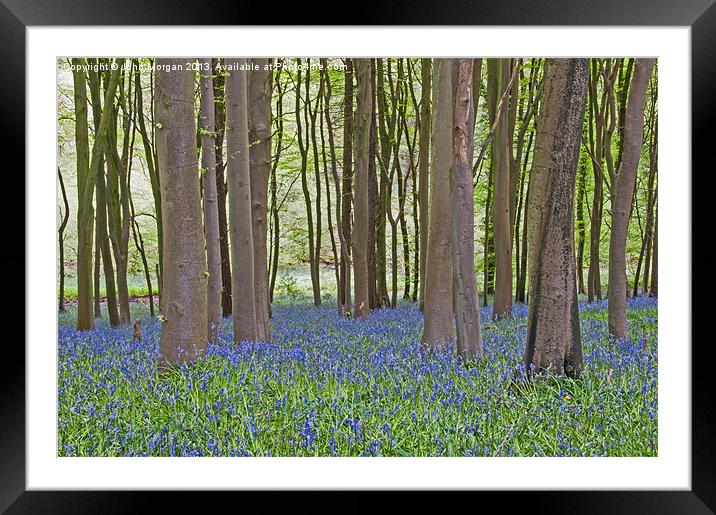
341	256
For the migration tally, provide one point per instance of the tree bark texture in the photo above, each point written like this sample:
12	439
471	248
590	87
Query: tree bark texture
184	276
239	186
622	195
553	333
466	303
260	89
438	330
211	209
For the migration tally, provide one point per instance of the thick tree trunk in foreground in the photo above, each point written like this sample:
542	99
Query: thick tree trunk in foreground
211	208
361	144
466	303
239	186
553	336
184	281
260	89
622	194
438	330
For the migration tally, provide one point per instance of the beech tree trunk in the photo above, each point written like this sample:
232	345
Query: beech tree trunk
424	169
221	193
85	211
86	176
260	89
184	276
372	196
101	235
118	211
347	179
239	186
438	330
502	225
344	264
318	234
466	303
553	334
303	150
207	130
361	144
622	195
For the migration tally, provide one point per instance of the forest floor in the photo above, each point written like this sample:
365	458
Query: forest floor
331	386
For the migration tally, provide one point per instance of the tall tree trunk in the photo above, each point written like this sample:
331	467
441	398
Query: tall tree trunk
344	297
207	128
260	90
361	145
465	299
438	330
520	239
522	282
85	211
347	179
61	241
502	223
651	187
525	114
220	130
239	186
86	176
106	253
622	194
424	168
385	132
372	196
274	188
117	214
303	149
322	106
183	336
594	287
415	194
317	183
553	335
487	245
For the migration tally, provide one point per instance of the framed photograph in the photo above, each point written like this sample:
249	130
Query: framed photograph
353	370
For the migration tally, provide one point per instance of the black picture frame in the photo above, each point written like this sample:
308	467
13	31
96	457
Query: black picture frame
700	15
